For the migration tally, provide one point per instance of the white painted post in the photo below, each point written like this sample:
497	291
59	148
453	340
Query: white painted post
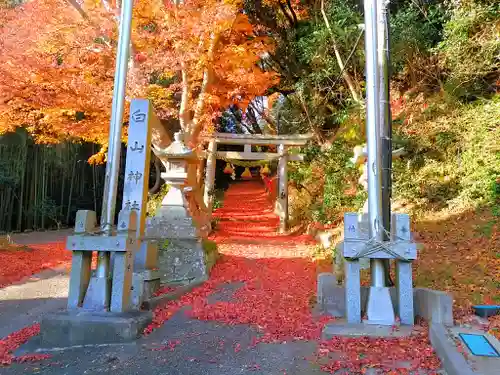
283	188
210	176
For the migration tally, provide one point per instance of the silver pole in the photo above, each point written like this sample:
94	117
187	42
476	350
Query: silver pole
385	121
115	131
373	138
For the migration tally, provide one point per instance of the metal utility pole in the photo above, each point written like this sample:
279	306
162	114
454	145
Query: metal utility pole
383	44
379	307
115	133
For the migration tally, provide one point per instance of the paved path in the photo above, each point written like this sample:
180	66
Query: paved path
41	237
24	302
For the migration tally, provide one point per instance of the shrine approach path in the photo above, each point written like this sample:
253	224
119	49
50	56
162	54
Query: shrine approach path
255	314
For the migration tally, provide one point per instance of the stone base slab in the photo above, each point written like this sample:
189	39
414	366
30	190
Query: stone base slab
68	329
342	328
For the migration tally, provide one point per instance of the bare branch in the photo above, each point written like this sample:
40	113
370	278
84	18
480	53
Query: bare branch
79	9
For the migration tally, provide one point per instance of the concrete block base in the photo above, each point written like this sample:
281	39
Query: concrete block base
144	285
342	328
68	329
98	291
432	305
379	307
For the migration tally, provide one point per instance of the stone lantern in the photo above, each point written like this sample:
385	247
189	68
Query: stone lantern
181	254
176	159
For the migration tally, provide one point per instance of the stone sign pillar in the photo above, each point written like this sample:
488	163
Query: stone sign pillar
135	194
182	257
105	308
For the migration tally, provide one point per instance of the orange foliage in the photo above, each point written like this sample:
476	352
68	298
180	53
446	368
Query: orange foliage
57	63
52	72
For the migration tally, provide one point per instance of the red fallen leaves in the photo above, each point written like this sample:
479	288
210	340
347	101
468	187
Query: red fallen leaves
170	346
276	298
401	355
494	326
18	264
468	265
10	343
278	274
31	358
163	290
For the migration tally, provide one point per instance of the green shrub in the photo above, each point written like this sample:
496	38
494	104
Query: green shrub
470	49
454	158
325	177
414	33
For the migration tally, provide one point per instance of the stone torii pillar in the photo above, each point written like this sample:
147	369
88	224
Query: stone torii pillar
282	202
210	175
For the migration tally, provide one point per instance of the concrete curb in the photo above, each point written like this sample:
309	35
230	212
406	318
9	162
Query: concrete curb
453	362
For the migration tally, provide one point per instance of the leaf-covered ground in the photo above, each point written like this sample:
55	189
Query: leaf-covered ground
270	284
461	255
19	262
277	275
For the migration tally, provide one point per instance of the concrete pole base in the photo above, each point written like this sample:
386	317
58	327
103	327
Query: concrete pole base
98	294
379	308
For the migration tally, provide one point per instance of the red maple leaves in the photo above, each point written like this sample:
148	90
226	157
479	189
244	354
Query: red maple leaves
276	283
18	263
16	339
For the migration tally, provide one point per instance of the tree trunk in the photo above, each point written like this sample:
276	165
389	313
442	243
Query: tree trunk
184	108
208	76
347	77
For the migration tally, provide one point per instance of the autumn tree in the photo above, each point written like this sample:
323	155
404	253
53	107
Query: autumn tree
56	72
212	56
192	58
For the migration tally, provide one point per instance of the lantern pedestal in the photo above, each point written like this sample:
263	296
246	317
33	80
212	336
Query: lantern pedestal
182	257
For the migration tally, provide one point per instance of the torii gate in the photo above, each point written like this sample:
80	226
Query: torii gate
283	142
